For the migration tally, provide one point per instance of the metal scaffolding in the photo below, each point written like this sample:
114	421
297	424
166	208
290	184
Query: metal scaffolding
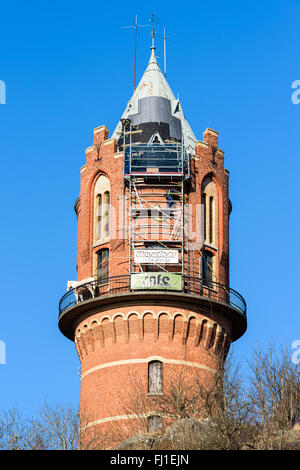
155	175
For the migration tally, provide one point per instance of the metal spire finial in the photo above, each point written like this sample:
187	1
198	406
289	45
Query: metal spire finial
153	31
165	54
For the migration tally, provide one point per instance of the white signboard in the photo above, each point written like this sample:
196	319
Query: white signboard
156	256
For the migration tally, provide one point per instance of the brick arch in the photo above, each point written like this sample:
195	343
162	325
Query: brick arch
191	330
148	322
220	339
179	321
82	344
134	325
118	317
94	178
120	328
78	348
212	336
216	181
108	329
133	312
178	313
118	314
80	331
164	319
93	325
164	312
203	331
145	312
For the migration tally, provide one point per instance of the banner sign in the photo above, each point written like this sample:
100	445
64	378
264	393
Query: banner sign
156	256
156	280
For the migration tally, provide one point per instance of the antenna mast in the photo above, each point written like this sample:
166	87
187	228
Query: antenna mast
135	38
165	54
153	31
135	26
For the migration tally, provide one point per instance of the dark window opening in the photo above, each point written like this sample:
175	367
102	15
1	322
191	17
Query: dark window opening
103	266
211	201
204	216
207	269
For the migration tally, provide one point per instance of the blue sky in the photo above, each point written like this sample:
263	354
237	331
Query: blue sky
68	68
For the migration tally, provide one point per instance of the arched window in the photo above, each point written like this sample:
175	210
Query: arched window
102	208
155	385
208	199
103	266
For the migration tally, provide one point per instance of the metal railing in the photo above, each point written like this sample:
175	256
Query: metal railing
121	284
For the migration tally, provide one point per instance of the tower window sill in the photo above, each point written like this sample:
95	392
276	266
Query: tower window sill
211	246
103	241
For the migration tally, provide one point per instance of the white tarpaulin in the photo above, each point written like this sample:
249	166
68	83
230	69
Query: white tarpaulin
156	256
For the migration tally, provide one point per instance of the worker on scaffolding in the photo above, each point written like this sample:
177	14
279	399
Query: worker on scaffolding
169	195
125	124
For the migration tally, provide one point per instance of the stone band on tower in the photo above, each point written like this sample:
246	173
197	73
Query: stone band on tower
152	295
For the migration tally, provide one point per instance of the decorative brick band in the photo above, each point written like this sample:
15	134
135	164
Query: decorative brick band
116	418
146	360
182	326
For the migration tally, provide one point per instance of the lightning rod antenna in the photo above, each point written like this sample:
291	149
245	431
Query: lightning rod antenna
135	26
165	54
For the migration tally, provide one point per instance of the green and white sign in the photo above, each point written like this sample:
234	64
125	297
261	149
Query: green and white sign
156	280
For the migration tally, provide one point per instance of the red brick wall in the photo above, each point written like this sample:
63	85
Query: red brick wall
111	165
116	345
135	334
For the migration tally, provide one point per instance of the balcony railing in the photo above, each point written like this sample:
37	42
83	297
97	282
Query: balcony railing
121	284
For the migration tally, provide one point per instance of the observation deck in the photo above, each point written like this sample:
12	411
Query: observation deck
76	304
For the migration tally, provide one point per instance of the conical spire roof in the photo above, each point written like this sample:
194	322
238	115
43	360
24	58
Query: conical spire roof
154	84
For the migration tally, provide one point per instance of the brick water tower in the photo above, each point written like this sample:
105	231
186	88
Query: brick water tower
152	296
